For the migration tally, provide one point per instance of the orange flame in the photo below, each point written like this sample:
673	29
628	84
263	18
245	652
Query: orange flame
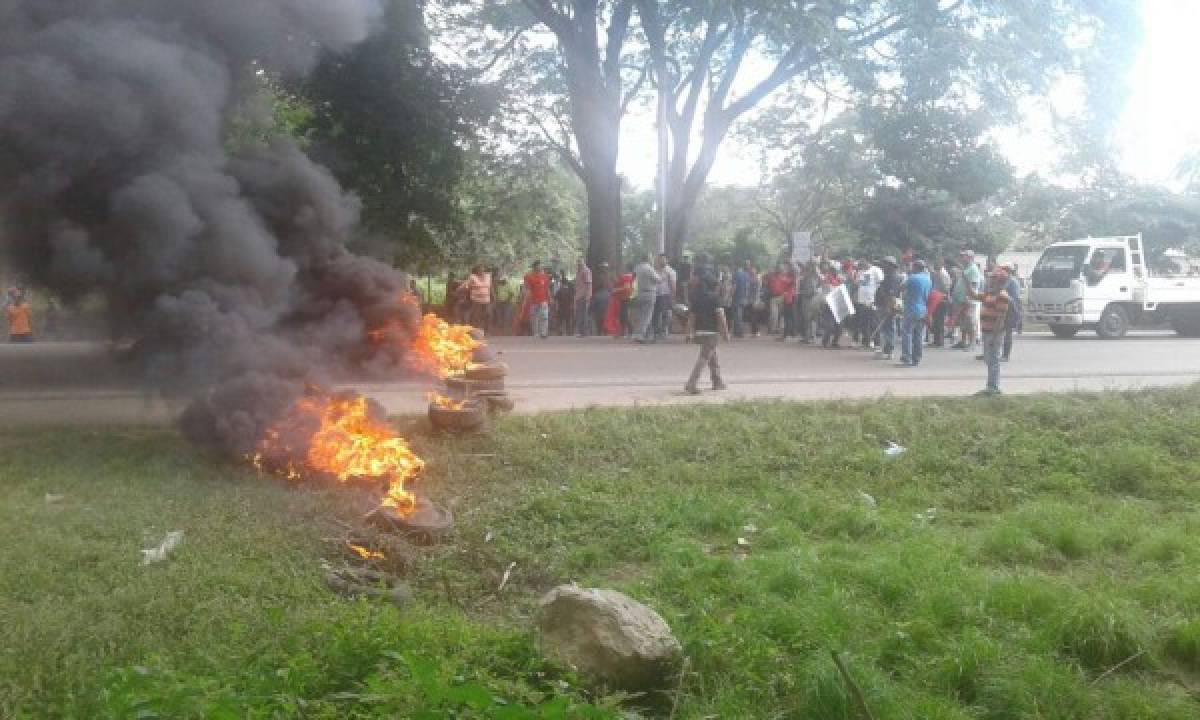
441	348
340	437
366	553
447	403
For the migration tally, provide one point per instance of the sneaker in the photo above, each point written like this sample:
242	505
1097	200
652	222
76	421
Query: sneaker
692	390
718	386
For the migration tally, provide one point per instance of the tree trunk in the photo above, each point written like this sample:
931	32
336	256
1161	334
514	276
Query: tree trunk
685	188
604	217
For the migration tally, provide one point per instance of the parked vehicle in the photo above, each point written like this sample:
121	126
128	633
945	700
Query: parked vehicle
1104	284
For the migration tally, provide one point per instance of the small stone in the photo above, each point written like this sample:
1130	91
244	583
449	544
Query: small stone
608	637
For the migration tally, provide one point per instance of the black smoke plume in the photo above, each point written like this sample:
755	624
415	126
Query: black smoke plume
229	271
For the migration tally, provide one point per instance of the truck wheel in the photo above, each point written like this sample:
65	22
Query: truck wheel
1064	331
1114	323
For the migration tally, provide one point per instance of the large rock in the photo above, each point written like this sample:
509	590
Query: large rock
608	636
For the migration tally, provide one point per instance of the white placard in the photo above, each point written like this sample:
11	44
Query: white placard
839	303
802	249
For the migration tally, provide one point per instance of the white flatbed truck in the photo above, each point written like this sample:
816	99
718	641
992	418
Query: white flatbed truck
1104	284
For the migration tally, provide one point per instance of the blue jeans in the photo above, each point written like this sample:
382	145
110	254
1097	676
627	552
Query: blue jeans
912	339
993	345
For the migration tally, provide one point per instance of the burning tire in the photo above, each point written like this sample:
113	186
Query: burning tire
464	416
497	401
461	388
489	371
427	522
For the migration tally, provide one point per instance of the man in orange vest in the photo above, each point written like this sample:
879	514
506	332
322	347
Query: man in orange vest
20	323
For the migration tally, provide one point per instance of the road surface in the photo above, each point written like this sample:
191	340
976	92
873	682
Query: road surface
78	383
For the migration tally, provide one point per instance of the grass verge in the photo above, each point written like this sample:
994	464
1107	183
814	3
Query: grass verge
1019	550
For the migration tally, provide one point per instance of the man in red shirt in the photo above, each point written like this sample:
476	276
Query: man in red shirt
537	294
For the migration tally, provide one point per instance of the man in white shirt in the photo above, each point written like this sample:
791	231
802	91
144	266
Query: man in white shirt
869	278
665	298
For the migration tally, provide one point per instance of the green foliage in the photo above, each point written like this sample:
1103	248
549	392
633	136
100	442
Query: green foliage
393	123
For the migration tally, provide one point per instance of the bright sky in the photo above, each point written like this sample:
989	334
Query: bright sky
1160	123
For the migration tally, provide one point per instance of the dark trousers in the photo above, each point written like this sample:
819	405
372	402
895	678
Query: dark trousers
662	315
789	319
804	317
939	324
865	322
831	328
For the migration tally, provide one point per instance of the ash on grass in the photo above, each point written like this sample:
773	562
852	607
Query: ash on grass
1062	546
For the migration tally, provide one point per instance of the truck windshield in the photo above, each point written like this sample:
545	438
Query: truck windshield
1058	266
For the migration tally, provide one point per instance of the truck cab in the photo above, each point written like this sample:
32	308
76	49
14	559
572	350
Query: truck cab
1103	284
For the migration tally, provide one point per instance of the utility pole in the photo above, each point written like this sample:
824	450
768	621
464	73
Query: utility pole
664	142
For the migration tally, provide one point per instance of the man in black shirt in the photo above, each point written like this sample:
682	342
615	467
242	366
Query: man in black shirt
703	293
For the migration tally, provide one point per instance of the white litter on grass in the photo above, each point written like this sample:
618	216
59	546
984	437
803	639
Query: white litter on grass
926	517
52	499
893	450
751	528
867	499
743	542
159	554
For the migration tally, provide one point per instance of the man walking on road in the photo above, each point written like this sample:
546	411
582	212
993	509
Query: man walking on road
993	319
704	310
583	299
916	297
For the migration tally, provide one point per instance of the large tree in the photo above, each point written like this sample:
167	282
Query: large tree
716	61
577	60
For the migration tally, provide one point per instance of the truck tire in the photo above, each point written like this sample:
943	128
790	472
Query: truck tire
1064	331
1114	323
1185	321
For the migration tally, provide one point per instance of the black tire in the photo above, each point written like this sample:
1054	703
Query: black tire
1064	331
1114	323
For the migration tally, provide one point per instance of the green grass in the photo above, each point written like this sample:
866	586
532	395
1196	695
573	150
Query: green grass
1062	543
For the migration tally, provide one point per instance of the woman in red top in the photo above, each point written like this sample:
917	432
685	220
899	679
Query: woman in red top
787	283
616	321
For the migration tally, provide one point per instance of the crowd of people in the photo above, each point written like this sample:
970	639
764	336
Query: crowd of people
888	306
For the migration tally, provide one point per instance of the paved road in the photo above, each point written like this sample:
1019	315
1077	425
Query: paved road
79	383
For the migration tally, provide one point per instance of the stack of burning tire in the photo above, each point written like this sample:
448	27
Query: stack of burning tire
472	395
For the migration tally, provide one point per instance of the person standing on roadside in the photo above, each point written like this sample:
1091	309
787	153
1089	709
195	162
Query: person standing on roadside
19	316
479	292
756	310
741	295
887	299
993	320
1016	318
665	298
869	278
537	292
973	285
583	299
776	284
917	288
601	294
646	279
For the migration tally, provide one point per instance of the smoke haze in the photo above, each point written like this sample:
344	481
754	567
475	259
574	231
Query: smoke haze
230	272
